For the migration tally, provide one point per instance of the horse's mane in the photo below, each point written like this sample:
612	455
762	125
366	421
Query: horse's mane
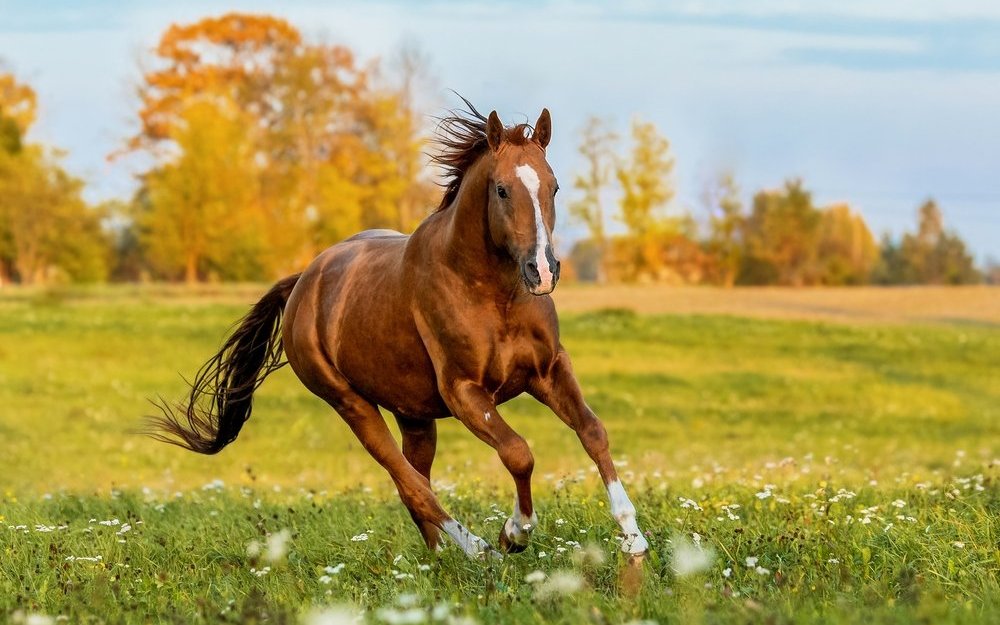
461	139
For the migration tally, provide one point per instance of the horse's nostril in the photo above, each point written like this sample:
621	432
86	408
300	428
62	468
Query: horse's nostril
531	272
558	267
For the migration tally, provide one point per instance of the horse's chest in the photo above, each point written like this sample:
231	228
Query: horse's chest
514	360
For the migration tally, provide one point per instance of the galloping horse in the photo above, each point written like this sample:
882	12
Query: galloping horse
452	320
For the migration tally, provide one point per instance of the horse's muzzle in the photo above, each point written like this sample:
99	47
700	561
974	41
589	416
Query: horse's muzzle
541	280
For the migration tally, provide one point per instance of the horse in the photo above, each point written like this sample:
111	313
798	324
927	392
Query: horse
452	320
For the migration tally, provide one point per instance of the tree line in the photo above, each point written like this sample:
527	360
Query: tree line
781	238
261	148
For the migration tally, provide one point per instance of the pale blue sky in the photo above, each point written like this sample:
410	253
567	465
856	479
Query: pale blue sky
880	104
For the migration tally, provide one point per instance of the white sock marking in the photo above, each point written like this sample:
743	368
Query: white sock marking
624	512
472	545
529	177
518	528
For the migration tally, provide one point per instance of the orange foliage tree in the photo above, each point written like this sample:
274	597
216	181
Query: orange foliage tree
330	150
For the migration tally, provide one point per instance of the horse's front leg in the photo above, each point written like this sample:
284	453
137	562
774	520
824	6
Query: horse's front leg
475	408
560	391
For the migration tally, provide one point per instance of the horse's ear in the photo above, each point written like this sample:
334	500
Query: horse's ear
494	131
543	129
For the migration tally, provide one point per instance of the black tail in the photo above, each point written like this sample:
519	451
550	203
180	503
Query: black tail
222	392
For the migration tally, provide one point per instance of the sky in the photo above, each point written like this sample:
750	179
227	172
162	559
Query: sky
879	104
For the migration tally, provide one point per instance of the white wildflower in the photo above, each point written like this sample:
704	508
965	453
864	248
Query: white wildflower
560	583
762	571
334	570
277	546
534	577
406	616
751	561
726	572
690	558
363	536
333	615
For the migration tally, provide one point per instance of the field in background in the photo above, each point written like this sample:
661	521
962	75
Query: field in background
858	459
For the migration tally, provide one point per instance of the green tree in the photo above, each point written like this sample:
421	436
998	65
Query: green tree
47	230
781	238
597	149
934	255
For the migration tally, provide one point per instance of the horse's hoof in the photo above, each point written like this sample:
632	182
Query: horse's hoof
509	546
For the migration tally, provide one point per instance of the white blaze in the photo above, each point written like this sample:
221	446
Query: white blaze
529	177
624	512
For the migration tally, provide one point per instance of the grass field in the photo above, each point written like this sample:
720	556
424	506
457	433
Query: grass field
787	470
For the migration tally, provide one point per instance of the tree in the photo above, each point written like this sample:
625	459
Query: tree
40	203
18	104
596	147
847	252
726	223
333	148
781	238
235	57
202	213
647	189
934	255
931	255
645	180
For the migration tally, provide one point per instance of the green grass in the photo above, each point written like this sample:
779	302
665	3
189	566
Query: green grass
863	460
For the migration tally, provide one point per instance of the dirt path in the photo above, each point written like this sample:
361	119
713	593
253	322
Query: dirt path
976	304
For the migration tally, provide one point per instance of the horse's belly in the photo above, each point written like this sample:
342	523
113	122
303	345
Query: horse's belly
382	356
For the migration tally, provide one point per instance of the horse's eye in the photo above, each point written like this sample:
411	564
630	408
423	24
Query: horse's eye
556	191
501	192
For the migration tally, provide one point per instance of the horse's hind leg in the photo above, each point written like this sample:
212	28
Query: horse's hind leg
419	447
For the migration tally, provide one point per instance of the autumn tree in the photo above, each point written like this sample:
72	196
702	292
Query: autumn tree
597	149
647	189
18	107
328	148
846	250
204	215
726	222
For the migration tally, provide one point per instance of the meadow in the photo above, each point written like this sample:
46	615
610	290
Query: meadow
795	457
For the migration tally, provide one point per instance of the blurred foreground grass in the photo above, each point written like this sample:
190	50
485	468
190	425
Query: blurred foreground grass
858	460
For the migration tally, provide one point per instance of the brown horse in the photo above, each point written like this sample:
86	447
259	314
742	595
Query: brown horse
452	320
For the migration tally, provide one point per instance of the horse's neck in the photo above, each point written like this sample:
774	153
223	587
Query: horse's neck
469	246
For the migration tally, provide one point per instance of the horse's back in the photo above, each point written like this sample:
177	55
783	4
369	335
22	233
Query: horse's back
376	233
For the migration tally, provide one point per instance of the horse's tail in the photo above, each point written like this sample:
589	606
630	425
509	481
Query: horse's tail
221	395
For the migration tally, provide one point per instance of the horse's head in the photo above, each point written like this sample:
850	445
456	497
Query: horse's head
522	190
